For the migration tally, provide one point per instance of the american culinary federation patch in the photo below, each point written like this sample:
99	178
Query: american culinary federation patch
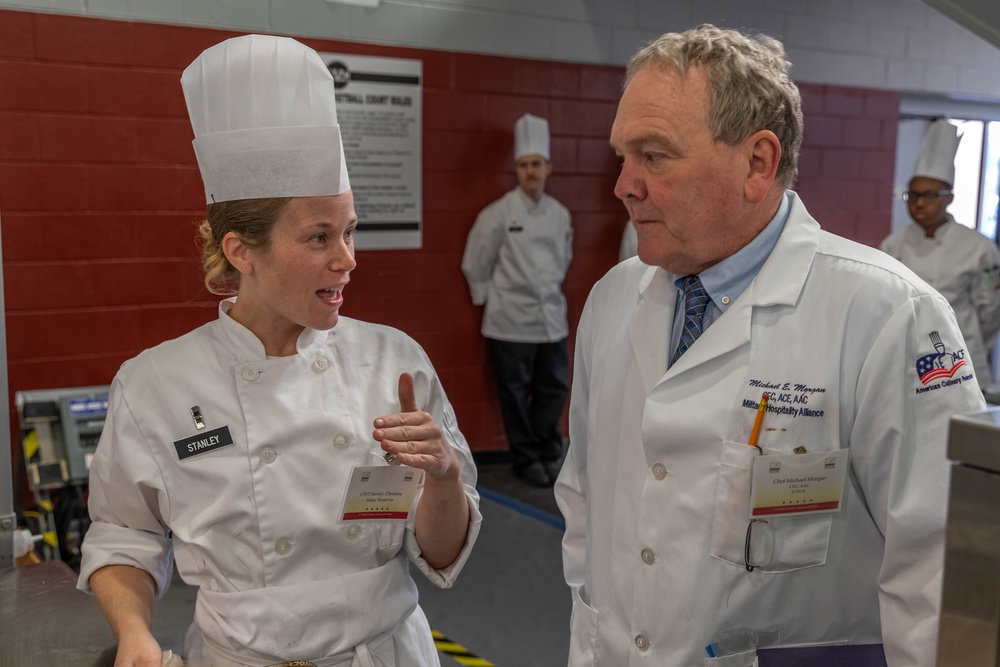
942	368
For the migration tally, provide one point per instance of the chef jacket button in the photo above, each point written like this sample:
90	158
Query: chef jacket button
659	470
648	557
321	364
353	531
250	373
267	455
340	441
641	642
283	547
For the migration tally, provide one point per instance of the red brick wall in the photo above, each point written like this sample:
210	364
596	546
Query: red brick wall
848	159
100	195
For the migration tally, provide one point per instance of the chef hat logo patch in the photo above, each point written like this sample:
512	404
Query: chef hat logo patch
940	364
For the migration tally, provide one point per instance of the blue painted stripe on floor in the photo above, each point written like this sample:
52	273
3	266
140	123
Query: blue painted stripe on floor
523	508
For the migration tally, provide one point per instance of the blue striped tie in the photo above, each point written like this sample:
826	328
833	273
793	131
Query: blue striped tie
695	301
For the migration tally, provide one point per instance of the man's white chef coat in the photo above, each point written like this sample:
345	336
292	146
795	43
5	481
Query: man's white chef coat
629	245
964	266
655	489
256	524
515	260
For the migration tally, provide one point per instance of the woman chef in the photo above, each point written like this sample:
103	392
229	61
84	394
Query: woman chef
262	450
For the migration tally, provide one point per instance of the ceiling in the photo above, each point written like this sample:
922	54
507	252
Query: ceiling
980	16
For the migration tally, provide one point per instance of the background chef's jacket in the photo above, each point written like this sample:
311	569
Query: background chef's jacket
256	524
964	266
655	488
515	260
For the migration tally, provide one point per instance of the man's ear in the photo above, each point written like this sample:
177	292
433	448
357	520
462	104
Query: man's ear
763	152
237	253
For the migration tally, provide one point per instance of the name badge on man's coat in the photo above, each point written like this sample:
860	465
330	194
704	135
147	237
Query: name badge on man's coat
786	485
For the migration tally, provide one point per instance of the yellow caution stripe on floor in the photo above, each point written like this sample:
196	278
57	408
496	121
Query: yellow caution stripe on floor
457	652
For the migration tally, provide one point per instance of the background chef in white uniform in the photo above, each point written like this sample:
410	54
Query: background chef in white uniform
959	262
515	260
659	551
231	448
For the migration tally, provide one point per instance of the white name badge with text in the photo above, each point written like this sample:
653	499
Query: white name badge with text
381	492
798	484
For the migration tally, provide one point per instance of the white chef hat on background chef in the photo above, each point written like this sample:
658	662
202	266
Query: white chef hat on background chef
531	136
937	152
264	115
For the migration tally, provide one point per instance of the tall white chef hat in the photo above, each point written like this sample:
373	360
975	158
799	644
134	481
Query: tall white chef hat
264	114
937	152
531	136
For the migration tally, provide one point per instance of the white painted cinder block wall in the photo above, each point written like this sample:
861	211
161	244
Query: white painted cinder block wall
901	45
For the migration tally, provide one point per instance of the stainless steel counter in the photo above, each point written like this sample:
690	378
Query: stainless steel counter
46	622
970	611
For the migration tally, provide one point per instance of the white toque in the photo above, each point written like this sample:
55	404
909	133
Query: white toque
264	115
937	152
531	136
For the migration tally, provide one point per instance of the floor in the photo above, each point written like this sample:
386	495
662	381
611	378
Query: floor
510	606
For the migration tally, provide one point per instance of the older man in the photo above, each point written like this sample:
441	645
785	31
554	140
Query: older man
702	520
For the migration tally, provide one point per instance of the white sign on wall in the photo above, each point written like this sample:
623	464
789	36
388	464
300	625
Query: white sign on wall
378	109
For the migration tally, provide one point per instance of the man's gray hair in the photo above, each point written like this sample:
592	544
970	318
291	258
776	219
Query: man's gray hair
749	84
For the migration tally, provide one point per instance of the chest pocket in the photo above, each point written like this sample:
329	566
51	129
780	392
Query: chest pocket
777	545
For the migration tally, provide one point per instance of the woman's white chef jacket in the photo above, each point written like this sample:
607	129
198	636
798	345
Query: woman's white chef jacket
655	489
255	525
964	266
516	257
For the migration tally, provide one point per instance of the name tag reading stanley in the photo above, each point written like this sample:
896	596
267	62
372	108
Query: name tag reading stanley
203	442
381	492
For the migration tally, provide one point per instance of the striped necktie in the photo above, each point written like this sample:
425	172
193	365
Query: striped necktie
695	301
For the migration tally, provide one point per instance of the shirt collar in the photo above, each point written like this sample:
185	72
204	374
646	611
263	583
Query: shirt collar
529	203
941	231
247	347
728	279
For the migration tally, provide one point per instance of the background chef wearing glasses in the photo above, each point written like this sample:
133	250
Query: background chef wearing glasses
232	447
959	262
